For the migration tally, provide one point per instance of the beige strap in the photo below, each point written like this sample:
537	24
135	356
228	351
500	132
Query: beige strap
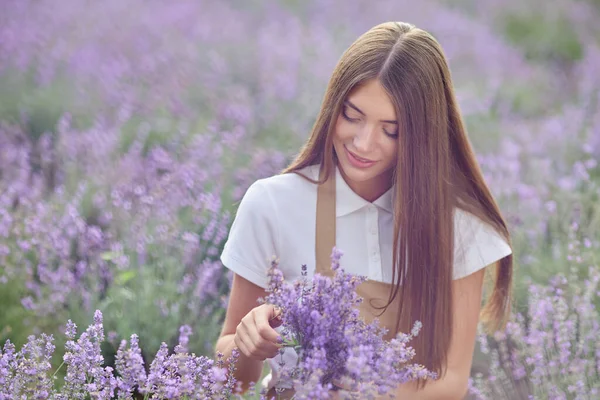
374	293
325	224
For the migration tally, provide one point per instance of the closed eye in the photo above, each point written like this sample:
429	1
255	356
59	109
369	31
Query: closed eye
393	135
347	118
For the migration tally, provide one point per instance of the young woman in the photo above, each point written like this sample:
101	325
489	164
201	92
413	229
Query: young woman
388	176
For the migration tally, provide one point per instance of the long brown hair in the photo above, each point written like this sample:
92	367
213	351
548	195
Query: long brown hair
436	171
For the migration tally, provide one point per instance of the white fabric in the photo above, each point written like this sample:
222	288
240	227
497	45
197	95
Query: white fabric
276	217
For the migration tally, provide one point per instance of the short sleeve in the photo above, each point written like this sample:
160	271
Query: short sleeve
251	242
476	244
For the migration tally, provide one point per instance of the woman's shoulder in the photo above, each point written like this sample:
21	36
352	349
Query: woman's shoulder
466	222
476	243
468	227
288	187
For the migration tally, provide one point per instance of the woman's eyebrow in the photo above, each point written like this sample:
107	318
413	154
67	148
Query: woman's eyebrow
387	121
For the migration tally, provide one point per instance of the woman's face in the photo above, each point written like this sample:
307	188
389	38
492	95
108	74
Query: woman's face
366	140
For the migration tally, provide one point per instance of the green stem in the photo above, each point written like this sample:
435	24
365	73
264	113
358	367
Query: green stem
59	367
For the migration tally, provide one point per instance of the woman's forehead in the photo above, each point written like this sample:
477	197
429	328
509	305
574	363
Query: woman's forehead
372	99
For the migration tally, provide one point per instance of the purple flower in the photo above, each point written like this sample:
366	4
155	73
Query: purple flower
25	373
84	360
130	366
551	347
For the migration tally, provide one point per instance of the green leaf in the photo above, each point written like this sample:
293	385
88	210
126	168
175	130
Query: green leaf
124	277
109	255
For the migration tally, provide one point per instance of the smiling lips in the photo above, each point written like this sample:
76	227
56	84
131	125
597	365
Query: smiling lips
357	161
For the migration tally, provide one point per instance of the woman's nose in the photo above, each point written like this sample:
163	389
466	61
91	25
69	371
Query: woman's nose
364	139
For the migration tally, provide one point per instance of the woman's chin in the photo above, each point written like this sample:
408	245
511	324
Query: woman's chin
360	176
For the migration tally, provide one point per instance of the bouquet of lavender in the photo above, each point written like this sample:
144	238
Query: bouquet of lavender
321	322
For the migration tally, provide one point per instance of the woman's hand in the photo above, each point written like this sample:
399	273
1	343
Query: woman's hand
342	394
345	389
344	383
255	336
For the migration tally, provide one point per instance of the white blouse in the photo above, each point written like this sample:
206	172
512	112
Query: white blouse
276	217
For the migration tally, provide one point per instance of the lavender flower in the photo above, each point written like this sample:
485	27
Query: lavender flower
85	373
130	366
180	375
25	373
552	349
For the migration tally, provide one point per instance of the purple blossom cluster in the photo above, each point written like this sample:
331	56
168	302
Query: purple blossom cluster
163	164
550	351
179	375
84	233
334	344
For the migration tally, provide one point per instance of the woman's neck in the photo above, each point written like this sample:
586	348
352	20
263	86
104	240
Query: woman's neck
371	189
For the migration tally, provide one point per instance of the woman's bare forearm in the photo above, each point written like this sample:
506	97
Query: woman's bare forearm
247	370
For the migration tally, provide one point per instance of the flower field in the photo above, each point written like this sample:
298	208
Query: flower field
130	130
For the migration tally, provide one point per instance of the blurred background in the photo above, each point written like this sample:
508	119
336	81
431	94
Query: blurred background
130	129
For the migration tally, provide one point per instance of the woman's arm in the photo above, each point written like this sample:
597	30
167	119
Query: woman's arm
251	323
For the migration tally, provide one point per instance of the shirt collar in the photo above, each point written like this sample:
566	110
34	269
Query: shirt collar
347	201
